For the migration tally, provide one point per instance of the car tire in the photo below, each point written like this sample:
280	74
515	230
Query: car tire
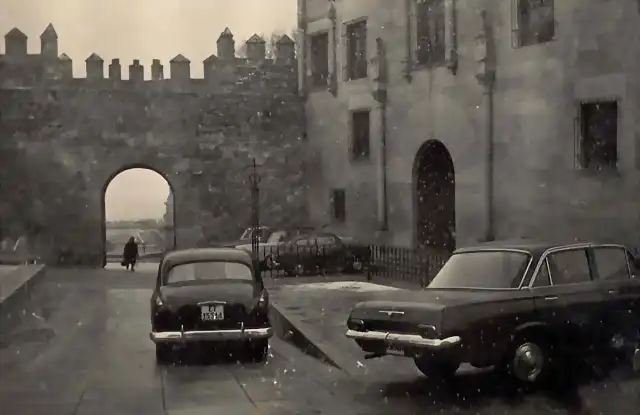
268	262
530	359
258	350
436	369
357	265
163	353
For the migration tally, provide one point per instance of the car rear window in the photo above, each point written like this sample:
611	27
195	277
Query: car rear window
482	269
213	270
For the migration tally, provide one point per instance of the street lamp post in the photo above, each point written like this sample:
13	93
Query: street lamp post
254	181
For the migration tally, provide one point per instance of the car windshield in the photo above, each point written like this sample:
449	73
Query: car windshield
482	269
207	271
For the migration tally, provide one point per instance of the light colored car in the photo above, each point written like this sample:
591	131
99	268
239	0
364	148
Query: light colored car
267	250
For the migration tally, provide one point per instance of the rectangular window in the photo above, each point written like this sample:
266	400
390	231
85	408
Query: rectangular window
319	59
430	28
611	263
339	205
357	50
598	141
534	22
360	133
569	267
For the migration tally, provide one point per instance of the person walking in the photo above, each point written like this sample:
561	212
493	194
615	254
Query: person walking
130	254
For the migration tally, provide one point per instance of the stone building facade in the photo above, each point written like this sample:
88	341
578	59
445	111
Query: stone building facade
445	122
75	135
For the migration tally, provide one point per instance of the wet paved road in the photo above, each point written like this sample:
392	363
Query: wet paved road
83	349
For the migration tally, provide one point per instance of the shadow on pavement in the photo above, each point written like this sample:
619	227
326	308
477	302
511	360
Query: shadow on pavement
200	356
475	390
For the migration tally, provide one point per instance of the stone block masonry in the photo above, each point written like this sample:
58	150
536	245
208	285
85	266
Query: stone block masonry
68	137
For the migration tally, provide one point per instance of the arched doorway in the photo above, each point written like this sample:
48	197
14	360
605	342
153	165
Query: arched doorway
434	193
139	201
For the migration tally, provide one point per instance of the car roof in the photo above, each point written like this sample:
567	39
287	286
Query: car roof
206	254
532	246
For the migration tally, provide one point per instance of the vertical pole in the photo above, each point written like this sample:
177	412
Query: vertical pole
254	180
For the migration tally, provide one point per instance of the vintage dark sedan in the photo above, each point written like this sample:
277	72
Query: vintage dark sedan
209	296
518	306
321	251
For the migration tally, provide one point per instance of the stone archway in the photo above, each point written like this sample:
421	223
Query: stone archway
434	196
103	193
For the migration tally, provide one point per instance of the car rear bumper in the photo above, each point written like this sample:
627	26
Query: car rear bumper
210	335
404	340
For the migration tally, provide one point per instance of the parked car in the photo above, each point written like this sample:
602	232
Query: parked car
518	306
209	296
263	234
269	248
323	251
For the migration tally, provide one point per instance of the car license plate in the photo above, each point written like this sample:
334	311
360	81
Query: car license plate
211	312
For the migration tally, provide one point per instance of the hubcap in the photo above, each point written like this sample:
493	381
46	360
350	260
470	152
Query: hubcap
528	362
357	265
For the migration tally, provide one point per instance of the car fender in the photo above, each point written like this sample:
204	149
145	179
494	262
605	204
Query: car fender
538	326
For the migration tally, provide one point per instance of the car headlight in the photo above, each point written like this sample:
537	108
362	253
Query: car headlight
159	301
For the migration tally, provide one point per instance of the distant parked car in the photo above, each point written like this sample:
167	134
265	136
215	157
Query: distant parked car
269	249
324	252
263	234
209	296
519	306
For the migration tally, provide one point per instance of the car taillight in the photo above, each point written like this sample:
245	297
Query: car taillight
263	301
355	324
428	331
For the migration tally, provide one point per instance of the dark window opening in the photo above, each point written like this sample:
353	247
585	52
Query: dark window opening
357	50
430	22
599	135
360	132
535	21
320	59
339	205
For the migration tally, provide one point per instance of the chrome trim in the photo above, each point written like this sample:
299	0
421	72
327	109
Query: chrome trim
210	335
404	340
213	302
391	312
572	247
537	272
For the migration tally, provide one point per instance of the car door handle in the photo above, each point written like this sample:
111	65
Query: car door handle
551	297
613	292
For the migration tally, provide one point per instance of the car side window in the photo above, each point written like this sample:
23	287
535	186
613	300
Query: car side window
569	266
303	242
611	263
542	279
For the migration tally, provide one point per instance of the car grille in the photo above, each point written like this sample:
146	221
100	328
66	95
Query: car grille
188	317
390	326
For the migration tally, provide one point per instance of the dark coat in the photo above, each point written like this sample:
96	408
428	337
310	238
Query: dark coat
130	251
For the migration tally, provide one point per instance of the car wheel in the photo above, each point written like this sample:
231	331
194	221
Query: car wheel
436	369
268	262
529	359
300	270
357	265
163	353
258	350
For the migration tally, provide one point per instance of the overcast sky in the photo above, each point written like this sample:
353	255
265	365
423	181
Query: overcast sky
145	30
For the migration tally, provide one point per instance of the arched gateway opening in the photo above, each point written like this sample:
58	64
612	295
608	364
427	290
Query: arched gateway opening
137	201
434	193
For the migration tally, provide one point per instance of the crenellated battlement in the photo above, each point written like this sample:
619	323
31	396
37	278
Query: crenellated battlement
18	68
